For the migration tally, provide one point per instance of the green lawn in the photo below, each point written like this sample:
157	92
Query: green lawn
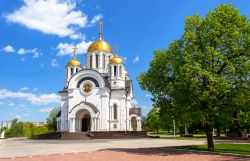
222	148
195	137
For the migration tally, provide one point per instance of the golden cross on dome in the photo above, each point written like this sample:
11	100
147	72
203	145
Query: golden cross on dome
74	49
100	29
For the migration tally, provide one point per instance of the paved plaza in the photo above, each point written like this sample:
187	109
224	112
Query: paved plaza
23	149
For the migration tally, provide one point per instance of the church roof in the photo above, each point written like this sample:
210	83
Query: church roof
100	45
135	110
116	60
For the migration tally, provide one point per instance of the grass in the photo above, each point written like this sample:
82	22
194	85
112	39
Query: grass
222	148
194	137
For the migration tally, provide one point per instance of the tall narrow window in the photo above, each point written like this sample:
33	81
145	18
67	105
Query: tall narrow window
110	71
115	112
103	61
96	61
90	63
120	70
71	71
76	70
115	70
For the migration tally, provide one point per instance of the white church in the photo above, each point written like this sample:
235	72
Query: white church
98	98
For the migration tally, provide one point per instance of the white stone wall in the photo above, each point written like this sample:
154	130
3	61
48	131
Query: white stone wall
102	98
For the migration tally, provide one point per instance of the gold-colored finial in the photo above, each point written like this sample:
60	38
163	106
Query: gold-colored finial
100	29
74	49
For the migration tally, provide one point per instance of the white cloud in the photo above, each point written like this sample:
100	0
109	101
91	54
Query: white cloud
22	105
136	59
45	109
8	49
37	99
124	59
17	116
66	49
34	51
34	89
96	19
56	17
24	89
11	104
78	36
26	115
54	63
134	102
148	95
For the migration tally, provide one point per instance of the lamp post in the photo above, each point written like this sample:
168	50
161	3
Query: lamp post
174	126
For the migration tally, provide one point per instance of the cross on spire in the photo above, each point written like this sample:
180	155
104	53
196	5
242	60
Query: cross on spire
100	29
74	49
116	46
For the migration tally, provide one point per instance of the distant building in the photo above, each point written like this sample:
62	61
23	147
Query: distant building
37	124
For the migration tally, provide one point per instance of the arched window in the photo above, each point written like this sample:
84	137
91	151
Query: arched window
103	61
115	112
90	63
96	60
115	70
76	70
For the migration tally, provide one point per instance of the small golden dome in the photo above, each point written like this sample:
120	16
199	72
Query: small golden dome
115	60
74	62
100	45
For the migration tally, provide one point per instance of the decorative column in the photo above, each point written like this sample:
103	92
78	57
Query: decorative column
99	120
112	70
100	61
74	125
93	61
96	128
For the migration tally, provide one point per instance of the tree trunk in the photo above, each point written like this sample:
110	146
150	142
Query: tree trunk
209	135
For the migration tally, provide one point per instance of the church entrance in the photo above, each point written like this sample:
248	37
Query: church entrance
134	123
86	123
83	121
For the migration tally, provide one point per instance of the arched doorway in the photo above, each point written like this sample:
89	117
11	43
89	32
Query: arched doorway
83	122
86	123
134	123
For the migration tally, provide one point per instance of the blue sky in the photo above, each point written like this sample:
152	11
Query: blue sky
37	37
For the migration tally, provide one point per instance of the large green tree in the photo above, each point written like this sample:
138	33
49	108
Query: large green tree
199	73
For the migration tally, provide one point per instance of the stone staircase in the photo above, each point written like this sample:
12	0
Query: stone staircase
93	135
74	136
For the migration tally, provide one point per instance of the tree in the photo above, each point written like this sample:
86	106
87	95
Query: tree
16	129
153	120
51	120
199	73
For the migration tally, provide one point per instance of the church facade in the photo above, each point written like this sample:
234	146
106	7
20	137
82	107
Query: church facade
98	98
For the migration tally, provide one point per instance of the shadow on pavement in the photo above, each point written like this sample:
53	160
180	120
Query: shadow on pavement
169	151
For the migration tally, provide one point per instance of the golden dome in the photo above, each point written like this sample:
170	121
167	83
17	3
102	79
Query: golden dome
116	60
74	62
100	45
